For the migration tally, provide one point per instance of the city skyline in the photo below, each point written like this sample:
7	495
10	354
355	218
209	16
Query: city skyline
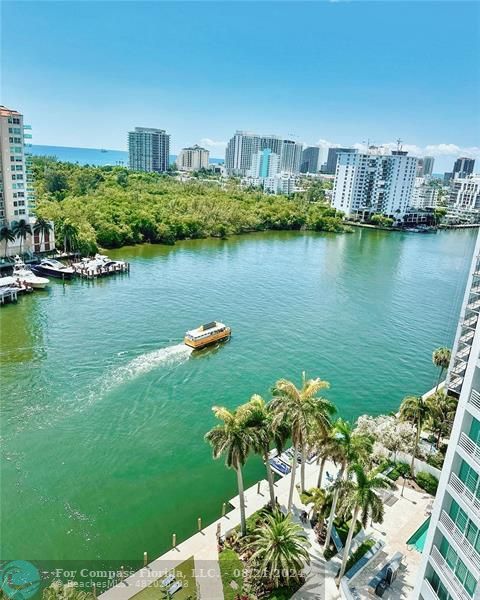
359	86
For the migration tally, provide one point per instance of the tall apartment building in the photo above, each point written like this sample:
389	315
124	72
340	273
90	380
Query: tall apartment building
244	145
463	167
425	166
265	163
367	183
192	159
464	199
450	568
332	159
425	193
310	160
148	149
17	195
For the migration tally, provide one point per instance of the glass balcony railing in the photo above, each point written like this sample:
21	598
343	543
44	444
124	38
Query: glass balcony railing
453	585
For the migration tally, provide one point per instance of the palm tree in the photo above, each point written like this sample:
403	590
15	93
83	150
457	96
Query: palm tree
416	410
69	232
232	438
66	591
42	227
318	498
304	411
257	415
280	548
359	498
21	229
320	442
442	414
441	359
346	447
6	235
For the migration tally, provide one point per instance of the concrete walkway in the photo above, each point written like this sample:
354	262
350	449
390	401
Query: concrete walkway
203	547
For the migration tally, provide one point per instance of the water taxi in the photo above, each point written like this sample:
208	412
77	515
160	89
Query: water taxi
207	334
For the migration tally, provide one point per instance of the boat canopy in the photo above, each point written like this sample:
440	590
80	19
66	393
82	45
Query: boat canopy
205	330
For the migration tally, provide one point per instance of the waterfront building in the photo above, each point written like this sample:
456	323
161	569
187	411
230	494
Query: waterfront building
450	567
425	193
372	182
192	158
463	167
464	199
265	163
310	160
331	165
148	149
17	195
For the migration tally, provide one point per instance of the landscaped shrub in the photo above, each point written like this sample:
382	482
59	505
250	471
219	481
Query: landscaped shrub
359	552
427	482
436	460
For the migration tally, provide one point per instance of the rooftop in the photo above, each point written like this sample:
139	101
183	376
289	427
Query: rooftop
8	112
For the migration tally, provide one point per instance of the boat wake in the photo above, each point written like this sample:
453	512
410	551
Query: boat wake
145	363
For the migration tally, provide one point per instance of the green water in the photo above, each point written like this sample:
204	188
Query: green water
102	430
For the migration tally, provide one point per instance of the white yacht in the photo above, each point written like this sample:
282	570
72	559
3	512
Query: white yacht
24	273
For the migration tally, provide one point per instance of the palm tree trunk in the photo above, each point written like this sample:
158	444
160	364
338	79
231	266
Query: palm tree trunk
439	378
302	469
269	479
292	479
243	522
331	518
320	473
348	543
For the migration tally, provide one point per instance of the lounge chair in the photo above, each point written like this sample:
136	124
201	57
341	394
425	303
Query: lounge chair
175	587
168	580
279	466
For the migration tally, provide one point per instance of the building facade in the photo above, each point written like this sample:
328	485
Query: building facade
374	183
425	193
193	159
265	163
464	199
148	149
450	568
17	195
310	160
331	165
463	167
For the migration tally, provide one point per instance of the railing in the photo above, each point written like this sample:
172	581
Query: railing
474	305
427	590
453	585
470	322
469	446
461	541
466	494
474	399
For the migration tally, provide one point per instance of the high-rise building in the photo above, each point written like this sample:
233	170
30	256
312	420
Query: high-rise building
291	156
367	183
148	149
428	162
17	196
239	152
332	159
192	159
310	160
244	145
265	163
463	167
425	193
450	567
464	199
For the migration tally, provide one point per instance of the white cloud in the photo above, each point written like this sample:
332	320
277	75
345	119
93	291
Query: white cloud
212	143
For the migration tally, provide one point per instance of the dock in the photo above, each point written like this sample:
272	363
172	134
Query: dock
100	271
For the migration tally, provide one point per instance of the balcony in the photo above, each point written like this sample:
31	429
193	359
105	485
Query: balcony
454	587
470	448
467	496
471	322
461	541
474	305
427	592
474	399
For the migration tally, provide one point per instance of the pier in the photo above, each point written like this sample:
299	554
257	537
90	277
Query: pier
86	272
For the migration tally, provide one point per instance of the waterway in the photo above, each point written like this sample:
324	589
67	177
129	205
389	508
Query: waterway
104	411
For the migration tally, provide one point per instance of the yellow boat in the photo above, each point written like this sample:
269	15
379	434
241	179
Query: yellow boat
207	334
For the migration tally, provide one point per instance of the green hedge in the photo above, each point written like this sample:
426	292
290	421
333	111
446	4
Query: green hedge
427	482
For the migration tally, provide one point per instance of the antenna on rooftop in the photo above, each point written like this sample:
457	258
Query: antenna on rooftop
399	144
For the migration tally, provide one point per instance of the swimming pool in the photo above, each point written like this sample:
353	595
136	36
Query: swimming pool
417	540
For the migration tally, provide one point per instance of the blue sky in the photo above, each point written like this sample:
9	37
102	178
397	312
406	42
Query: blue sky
84	73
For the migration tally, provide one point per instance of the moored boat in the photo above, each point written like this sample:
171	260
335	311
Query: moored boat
54	268
207	334
22	273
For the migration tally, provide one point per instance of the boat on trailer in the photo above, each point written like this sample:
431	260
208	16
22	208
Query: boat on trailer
207	334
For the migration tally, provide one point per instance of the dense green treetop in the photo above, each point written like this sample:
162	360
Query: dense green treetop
112	207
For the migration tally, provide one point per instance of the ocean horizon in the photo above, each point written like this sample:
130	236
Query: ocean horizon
99	157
